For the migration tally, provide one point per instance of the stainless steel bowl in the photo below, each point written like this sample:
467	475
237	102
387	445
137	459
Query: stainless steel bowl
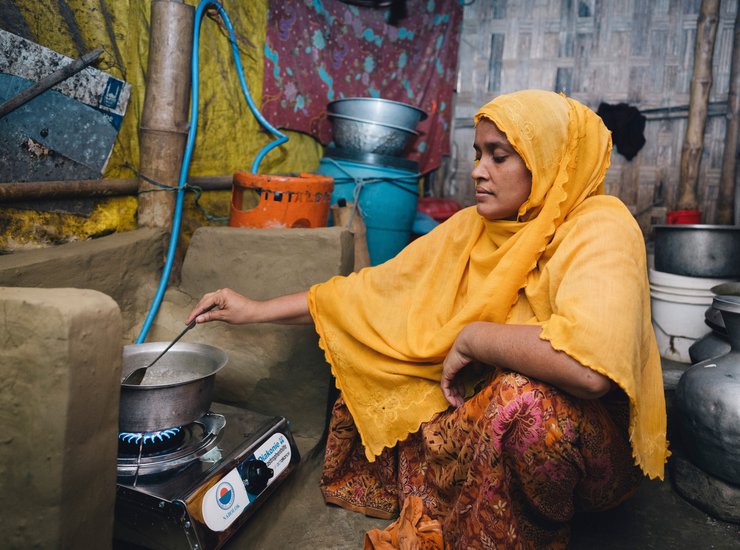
367	136
698	250
383	111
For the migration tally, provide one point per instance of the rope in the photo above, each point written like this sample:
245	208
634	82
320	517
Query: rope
360	183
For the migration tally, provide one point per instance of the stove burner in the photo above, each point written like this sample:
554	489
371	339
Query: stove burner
131	443
167	450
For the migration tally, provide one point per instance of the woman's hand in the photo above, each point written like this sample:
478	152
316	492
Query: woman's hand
235	309
517	348
231	307
457	359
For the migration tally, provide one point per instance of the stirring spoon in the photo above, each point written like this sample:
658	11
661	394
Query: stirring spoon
136	376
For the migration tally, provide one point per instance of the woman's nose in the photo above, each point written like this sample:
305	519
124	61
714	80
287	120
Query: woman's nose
477	171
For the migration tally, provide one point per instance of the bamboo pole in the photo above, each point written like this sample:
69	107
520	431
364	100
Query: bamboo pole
728	177
701	83
164	118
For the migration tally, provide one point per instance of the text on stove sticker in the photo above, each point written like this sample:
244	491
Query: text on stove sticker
266	455
275	453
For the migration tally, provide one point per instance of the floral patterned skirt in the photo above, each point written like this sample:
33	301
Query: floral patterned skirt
506	470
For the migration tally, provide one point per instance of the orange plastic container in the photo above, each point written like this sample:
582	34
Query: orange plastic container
683	217
284	201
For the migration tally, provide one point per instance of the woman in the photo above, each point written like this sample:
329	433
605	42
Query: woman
501	372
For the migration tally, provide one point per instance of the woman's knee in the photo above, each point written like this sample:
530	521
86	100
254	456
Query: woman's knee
530	416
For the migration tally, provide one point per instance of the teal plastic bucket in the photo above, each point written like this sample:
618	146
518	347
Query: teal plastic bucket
386	190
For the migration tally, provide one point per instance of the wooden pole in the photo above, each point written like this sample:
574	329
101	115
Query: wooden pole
728	178
65	189
163	129
59	189
701	82
48	81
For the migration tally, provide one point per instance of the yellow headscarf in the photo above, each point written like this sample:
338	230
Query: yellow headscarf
386	330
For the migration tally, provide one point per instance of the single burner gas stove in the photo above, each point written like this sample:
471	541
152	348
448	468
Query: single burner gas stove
195	486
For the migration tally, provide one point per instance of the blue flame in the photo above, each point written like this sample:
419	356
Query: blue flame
148	437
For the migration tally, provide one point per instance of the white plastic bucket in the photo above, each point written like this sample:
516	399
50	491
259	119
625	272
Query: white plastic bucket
690	292
662	278
678	305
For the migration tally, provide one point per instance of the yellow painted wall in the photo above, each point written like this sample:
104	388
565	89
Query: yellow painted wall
228	137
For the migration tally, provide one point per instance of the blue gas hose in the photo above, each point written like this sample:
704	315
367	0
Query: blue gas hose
192	130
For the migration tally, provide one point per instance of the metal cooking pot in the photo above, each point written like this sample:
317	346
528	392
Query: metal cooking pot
698	250
177	390
708	397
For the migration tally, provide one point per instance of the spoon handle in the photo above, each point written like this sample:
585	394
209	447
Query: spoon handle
136	376
191	324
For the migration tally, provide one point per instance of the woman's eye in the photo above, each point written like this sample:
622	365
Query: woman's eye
499	160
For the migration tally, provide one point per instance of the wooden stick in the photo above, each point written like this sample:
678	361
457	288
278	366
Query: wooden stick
64	189
341	215
48	81
58	189
701	82
727	190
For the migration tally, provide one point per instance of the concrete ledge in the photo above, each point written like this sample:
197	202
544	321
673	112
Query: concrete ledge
126	266
263	263
61	365
273	369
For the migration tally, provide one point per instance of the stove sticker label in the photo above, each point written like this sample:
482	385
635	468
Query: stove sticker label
275	452
224	502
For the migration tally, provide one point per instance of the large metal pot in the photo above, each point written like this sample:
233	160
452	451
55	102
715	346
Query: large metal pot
708	397
177	389
697	250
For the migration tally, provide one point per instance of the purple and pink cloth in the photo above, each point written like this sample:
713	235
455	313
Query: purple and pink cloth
323	50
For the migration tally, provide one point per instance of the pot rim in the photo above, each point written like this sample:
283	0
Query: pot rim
221	358
686	226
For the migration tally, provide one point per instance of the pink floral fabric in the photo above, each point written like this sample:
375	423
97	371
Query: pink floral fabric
317	52
507	470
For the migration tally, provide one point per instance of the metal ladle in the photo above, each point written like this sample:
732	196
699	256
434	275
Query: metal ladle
135	377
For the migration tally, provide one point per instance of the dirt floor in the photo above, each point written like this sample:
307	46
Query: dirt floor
657	517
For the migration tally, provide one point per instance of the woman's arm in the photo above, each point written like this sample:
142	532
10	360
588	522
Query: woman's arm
518	348
235	309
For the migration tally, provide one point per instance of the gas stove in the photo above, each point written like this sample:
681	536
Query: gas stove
193	487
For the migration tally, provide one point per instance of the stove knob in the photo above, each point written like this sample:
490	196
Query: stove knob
257	474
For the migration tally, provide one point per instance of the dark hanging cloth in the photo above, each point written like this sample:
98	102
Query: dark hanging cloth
627	125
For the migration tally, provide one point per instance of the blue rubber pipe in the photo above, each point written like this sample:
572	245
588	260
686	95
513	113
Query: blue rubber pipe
192	130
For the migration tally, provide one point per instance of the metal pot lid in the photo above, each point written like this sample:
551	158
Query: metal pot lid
387	161
730	304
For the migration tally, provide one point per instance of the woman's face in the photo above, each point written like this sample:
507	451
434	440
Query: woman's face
502	180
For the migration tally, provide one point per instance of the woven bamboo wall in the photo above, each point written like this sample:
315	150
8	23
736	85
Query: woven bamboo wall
639	52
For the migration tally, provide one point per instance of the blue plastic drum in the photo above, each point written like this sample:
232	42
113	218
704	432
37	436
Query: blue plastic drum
385	188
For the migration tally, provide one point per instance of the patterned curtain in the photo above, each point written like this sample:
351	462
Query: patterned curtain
319	51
